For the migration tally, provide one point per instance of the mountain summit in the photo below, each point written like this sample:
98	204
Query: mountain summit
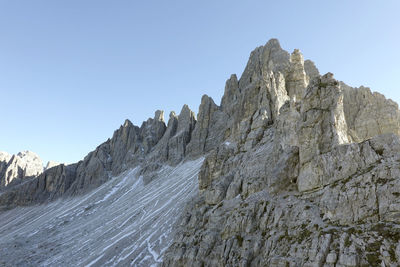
293	168
22	165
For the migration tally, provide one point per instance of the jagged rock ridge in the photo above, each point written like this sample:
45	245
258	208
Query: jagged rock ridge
128	147
306	176
15	168
300	170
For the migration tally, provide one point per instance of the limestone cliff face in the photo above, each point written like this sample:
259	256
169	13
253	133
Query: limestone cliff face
50	164
172	147
19	166
296	79
307	175
369	114
209	130
300	170
127	148
149	146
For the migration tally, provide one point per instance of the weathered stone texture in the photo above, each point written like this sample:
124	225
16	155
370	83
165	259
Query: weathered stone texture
300	170
19	166
301	180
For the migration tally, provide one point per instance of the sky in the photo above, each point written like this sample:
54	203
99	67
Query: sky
72	71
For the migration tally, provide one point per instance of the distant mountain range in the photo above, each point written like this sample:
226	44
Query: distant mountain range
25	164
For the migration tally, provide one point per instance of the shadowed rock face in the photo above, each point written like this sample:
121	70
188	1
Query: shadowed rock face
299	170
125	149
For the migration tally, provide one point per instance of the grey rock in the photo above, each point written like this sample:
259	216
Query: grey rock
50	164
296	80
210	129
331	258
231	96
323	126
22	165
123	222
177	143
4	156
369	114
172	147
311	70
161	150
299	170
300	181
50	185
128	147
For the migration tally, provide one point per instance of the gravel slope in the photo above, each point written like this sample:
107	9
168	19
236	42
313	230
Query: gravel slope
122	222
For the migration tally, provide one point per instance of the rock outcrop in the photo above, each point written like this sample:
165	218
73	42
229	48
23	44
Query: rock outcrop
300	180
50	164
16	167
125	149
322	127
296	80
369	114
149	145
4	159
172	146
299	170
209	130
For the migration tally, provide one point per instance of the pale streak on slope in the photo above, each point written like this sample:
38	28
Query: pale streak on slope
123	222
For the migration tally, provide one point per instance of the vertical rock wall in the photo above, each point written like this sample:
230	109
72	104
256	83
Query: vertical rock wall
288	182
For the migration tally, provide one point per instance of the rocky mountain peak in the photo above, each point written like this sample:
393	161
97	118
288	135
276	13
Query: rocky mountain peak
231	94
270	57
277	90
4	156
159	115
186	119
51	164
302	157
172	115
28	155
310	69
16	167
297	79
127	123
299	169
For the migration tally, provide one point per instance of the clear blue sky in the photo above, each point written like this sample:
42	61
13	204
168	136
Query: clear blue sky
71	71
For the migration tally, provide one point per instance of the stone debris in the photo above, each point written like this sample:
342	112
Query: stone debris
299	170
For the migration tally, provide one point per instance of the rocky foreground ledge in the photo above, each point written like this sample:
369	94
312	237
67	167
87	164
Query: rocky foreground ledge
300	170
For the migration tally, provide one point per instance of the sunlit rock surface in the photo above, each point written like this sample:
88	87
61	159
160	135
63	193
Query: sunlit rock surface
293	168
16	167
308	174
